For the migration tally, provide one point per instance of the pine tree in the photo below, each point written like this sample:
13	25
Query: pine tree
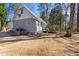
56	19
3	14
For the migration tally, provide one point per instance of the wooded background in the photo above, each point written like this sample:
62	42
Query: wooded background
60	17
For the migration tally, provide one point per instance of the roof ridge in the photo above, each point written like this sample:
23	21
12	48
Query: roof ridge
34	14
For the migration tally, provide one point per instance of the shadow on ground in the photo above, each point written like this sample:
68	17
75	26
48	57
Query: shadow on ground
6	34
3	35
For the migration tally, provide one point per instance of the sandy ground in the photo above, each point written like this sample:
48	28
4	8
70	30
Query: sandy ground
47	45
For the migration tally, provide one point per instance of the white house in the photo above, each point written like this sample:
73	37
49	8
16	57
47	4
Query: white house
25	21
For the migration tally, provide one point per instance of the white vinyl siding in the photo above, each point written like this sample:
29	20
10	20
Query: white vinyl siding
27	21
27	24
26	14
39	27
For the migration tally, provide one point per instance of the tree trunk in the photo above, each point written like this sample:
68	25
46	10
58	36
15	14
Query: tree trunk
78	17
70	25
65	20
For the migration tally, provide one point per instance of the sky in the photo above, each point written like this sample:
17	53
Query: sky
31	6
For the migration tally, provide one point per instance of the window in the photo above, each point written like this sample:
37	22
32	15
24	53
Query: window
22	11
19	15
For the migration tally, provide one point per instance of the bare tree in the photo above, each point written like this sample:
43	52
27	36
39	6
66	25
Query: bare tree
78	17
66	9
70	25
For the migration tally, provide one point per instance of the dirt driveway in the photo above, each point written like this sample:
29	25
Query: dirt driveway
45	45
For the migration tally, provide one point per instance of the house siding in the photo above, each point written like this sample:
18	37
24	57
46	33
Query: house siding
26	21
26	14
38	27
27	24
